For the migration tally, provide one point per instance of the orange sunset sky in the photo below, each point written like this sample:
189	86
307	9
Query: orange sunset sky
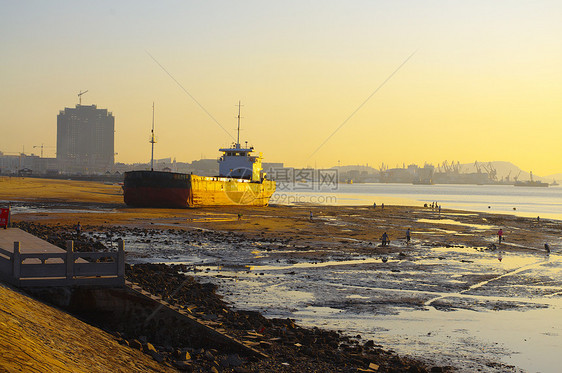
484	81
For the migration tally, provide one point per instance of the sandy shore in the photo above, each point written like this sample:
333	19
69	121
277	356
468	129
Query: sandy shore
93	203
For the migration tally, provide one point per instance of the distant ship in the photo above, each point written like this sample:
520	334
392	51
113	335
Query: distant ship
554	183
531	182
420	181
241	181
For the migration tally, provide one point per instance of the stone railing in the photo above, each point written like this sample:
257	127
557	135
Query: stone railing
63	268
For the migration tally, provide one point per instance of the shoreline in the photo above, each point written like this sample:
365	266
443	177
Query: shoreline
347	222
110	196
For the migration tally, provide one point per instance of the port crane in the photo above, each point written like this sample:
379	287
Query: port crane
477	166
449	167
508	175
489	168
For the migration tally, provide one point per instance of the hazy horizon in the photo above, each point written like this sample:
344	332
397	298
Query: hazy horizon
483	82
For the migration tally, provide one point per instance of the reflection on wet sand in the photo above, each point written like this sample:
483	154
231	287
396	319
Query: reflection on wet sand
355	290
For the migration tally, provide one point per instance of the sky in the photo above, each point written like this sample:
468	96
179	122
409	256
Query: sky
322	83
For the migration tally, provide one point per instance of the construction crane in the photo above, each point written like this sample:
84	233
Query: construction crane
42	146
80	97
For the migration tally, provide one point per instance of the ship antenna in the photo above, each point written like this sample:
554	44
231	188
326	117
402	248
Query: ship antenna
238	136
152	141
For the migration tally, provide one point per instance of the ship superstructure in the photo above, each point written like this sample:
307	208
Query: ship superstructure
239	162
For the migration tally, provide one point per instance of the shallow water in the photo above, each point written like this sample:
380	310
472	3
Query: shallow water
505	199
21	208
449	305
454	222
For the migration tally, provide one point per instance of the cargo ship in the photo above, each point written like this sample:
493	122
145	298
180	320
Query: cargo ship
241	181
531	182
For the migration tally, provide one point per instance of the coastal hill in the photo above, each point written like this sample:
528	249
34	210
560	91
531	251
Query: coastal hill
503	170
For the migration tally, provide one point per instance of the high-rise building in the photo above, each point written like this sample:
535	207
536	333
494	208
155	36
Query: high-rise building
85	139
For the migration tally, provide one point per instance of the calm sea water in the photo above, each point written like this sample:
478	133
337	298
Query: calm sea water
507	199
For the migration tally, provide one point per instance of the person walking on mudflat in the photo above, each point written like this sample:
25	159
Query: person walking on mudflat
384	239
408	236
500	235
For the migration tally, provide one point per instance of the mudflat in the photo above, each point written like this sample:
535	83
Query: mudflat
93	203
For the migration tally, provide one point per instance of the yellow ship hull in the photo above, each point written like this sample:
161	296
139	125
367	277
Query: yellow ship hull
170	189
215	191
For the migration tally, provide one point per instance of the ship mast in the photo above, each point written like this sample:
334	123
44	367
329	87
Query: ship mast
238	136
152	141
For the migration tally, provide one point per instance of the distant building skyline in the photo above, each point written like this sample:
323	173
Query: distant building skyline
85	139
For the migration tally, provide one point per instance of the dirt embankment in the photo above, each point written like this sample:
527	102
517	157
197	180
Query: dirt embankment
38	338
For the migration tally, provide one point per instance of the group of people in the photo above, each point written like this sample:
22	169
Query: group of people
433	205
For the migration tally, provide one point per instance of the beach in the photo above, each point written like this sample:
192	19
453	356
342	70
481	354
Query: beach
324	265
67	202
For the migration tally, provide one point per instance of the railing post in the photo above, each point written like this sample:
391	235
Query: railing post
120	258
69	259
16	264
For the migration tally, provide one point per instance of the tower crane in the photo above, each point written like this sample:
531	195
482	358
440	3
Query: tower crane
80	96
42	146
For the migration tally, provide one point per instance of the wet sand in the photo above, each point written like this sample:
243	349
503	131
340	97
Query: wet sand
67	202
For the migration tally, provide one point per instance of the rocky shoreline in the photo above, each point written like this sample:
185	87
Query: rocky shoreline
290	347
